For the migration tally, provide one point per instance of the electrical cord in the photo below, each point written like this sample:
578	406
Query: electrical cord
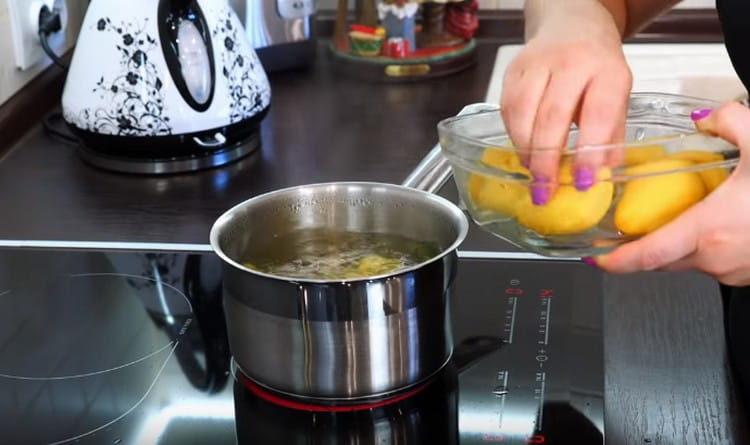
50	23
49	126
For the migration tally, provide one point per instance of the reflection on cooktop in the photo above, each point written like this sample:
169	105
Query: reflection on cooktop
88	324
83	351
429	416
131	347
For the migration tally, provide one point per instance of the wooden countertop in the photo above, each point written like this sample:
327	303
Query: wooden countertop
321	127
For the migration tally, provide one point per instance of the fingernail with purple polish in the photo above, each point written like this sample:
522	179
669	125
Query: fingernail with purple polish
589	261
584	178
700	114
540	192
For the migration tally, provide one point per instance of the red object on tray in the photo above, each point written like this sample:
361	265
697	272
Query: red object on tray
364	29
396	48
462	20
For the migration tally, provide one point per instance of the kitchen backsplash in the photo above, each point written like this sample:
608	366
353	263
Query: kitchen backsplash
11	78
518	4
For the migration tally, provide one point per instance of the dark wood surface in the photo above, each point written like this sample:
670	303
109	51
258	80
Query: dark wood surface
667	381
321	127
685	25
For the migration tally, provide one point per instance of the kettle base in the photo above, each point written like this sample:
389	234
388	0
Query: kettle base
171	165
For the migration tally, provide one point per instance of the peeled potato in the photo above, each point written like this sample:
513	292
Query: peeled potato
495	194
711	178
650	202
376	265
504	159
502	196
569	211
697	156
642	154
475	184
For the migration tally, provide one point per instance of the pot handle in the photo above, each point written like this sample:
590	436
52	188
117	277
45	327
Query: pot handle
435	170
473	349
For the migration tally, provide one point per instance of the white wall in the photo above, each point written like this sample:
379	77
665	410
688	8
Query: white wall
698	4
11	78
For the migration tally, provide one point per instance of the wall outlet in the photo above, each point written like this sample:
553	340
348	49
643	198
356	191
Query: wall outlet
24	24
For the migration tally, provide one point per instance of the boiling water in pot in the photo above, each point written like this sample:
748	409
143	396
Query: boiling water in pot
323	254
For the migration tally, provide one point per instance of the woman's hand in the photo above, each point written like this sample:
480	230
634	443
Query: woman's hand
572	69
714	235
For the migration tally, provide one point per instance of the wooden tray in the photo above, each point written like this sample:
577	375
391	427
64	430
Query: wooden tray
424	64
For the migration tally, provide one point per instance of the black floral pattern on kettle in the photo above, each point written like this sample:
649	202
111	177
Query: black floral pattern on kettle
242	71
134	98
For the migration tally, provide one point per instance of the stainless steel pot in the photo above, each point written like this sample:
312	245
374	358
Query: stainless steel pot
341	340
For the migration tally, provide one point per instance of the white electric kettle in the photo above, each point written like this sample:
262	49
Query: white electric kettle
164	86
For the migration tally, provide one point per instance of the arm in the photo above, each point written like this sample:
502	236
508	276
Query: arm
629	15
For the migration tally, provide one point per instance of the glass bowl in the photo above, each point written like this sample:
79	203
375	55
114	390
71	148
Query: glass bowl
663	167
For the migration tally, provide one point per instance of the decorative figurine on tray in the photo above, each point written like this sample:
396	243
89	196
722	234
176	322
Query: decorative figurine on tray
406	39
399	20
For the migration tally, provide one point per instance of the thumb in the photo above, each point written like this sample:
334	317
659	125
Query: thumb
656	250
730	122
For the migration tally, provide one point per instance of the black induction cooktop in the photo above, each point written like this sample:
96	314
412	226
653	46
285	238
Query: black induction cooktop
131	348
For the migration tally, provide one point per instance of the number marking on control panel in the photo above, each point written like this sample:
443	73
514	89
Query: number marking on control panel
512	327
546	314
501	390
541	379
